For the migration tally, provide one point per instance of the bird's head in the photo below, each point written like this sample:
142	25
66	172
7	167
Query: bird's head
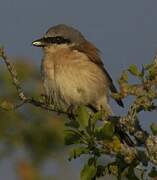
60	35
63	36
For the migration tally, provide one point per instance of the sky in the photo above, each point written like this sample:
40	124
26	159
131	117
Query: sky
125	31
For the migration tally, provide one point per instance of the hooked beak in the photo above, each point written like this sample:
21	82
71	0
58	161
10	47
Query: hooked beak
39	43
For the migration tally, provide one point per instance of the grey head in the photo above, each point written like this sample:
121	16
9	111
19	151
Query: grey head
60	34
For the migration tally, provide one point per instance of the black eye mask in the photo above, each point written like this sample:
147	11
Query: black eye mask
56	40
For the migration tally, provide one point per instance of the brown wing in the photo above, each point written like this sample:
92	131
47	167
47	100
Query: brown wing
112	87
93	54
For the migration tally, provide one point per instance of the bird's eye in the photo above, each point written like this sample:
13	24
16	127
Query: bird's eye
58	38
61	40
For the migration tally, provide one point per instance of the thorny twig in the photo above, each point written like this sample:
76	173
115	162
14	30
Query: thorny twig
13	74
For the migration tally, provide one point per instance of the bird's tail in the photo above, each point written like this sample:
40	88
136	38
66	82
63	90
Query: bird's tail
125	138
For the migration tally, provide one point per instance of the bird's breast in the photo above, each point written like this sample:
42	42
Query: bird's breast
72	78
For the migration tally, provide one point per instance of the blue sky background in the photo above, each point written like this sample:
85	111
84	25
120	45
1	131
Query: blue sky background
125	31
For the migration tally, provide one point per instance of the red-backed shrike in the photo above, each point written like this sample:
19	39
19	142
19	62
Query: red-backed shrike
72	70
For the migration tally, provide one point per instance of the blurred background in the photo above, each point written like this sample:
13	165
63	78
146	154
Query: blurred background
31	139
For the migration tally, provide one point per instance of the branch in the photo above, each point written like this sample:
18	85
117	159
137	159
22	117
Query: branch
21	94
13	74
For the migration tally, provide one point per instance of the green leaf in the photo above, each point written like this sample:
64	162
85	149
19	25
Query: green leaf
88	172
134	70
153	172
105	132
153	127
97	116
124	77
71	137
77	152
116	144
131	174
6	105
152	72
83	116
72	123
147	66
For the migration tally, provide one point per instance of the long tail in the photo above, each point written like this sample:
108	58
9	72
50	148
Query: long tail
124	137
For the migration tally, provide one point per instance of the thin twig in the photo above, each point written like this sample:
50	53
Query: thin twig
21	94
13	74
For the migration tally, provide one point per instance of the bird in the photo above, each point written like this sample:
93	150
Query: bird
72	71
